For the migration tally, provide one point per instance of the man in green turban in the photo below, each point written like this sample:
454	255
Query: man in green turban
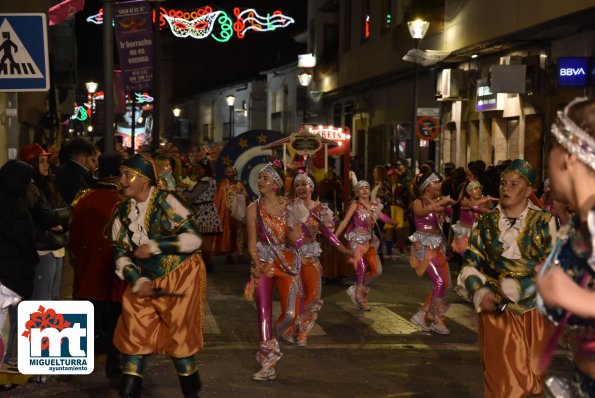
499	275
155	246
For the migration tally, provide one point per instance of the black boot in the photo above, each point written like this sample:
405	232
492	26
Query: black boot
190	385
113	365
130	386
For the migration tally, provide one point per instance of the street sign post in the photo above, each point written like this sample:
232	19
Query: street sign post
23	53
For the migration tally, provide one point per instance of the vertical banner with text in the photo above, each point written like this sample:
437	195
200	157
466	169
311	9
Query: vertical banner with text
134	38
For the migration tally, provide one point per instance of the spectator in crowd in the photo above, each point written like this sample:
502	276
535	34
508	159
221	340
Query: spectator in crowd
399	201
51	218
329	190
476	172
75	172
557	208
18	256
448	168
164	166
381	193
90	255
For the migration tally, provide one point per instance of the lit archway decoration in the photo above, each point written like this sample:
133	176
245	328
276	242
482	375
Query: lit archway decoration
205	22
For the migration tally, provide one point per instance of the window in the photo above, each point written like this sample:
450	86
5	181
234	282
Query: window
337	115
330	42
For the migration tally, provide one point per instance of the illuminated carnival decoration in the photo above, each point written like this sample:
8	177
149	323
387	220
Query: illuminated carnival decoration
142	98
80	113
205	22
329	132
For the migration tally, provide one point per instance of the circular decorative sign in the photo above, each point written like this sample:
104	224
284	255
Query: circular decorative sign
427	128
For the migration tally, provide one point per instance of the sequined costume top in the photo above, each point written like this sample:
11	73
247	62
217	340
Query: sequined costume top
271	229
318	223
577	259
468	215
428	230
272	242
361	228
427	223
502	255
165	222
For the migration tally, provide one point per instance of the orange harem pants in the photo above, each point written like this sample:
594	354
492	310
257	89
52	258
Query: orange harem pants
311	278
511	346
165	325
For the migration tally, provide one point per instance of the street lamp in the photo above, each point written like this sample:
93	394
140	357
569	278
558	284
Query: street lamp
305	78
230	99
91	89
417	30
176	111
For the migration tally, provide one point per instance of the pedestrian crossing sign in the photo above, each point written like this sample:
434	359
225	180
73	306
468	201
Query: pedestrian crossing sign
23	53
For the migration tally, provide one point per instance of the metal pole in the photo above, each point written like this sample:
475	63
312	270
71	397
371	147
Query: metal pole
155	5
305	104
230	122
108	77
133	126
414	138
12	126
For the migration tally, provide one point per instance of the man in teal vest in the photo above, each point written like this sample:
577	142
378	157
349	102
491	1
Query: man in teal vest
499	274
155	245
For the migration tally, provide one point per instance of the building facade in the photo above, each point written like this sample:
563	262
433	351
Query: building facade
366	85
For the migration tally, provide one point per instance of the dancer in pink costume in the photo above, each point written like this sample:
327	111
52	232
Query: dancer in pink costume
274	239
319	222
428	250
472	206
360	221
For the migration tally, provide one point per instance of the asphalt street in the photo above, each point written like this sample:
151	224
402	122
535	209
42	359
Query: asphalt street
349	354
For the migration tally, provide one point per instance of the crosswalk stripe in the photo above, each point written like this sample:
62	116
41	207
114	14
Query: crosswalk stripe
381	320
464	315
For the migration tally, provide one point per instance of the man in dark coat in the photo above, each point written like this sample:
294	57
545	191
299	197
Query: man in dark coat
18	256
75	173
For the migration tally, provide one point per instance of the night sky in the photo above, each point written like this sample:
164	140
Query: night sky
203	64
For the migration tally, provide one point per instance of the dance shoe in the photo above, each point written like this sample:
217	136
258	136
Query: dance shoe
264	374
419	319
